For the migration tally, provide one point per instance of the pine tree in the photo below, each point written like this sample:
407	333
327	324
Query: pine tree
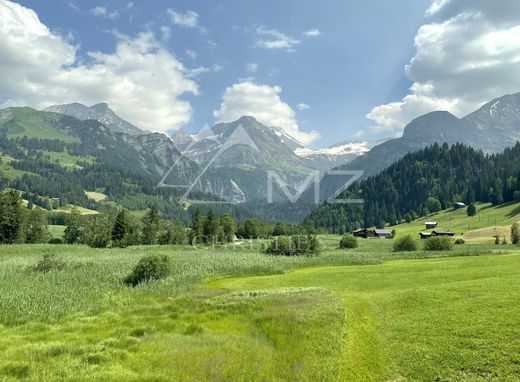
197	228
229	227
120	230
471	210
151	223
211	227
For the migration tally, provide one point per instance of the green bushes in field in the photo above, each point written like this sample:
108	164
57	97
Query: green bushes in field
297	245
459	241
515	233
438	243
153	267
48	263
348	242
405	244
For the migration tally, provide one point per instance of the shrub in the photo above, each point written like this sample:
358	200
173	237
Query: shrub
438	243
56	240
405	244
459	241
297	245
348	242
48	263
515	233
153	267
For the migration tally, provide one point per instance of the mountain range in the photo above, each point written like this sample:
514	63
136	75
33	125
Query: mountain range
230	162
492	128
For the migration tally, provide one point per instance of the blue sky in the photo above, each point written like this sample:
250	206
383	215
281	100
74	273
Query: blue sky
303	65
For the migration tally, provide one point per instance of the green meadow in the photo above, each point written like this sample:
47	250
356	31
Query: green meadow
479	229
234	314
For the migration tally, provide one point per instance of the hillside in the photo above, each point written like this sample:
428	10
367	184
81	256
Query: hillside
48	156
481	228
425	181
492	128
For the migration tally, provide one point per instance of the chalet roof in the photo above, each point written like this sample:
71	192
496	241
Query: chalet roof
442	232
382	232
430	222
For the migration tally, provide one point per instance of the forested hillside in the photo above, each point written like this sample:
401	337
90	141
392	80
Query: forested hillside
423	182
53	159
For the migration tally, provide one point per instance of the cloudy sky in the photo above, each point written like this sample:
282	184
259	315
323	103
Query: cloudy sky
324	72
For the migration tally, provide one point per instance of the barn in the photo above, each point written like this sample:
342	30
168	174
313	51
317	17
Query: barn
366	233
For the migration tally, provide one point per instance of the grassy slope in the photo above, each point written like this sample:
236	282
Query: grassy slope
96	196
30	124
477	229
80	322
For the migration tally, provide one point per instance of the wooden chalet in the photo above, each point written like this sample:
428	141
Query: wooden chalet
366	233
426	235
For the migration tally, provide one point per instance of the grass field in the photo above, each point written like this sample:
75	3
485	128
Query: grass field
96	196
234	314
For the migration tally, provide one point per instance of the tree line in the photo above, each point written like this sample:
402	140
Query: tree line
423	182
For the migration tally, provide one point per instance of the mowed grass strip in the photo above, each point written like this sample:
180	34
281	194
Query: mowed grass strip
420	320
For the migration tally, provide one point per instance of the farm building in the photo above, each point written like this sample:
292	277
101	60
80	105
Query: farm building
459	205
366	233
430	225
426	235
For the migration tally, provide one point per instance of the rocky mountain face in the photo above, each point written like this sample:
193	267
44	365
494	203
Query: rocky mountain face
100	112
492	128
240	155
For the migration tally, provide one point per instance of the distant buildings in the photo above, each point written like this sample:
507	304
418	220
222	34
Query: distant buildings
426	235
430	225
366	233
459	205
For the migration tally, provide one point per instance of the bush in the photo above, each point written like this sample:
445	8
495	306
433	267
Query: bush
515	233
56	240
297	245
48	263
153	267
348	242
438	243
405	244
459	241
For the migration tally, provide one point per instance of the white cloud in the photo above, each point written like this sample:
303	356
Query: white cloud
141	80
274	39
166	33
100	11
252	67
189	19
130	5
204	69
264	103
191	54
467	55
312	33
303	106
